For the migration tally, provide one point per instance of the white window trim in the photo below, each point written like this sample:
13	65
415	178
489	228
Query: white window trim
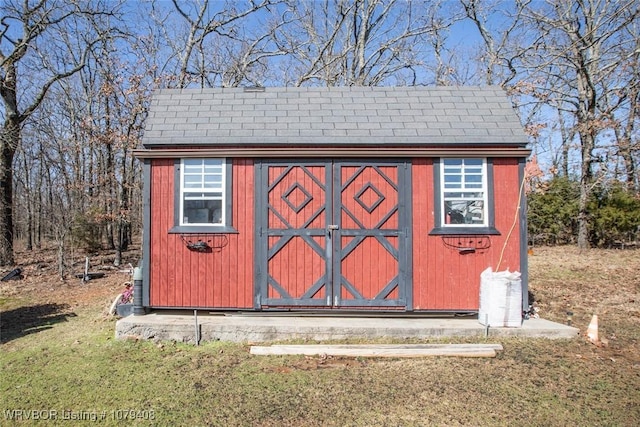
222	191
484	190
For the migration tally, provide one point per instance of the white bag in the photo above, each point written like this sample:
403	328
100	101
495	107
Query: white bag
500	299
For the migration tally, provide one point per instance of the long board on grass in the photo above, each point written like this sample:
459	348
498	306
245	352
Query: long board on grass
381	350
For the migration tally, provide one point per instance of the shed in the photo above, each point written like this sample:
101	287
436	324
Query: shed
340	198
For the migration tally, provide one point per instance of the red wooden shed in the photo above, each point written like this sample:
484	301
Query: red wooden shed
354	198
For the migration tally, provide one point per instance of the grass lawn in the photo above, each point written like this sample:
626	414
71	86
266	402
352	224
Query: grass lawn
60	361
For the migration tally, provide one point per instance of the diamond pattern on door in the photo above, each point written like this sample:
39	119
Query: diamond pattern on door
297	197
367	271
369	197
293	210
333	234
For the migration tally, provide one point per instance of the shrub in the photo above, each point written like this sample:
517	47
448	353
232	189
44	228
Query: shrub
615	216
552	212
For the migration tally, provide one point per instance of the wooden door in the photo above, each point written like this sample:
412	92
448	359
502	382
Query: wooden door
333	234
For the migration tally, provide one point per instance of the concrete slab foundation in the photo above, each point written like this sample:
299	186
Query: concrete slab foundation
183	326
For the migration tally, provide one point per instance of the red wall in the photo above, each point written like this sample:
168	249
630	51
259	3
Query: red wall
182	278
443	278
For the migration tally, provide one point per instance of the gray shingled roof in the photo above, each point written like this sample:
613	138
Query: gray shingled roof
342	116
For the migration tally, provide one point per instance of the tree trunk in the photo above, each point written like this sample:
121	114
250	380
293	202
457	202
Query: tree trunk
586	182
109	191
9	140
61	258
28	203
40	206
624	138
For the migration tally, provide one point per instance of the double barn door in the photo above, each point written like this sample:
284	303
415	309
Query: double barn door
333	234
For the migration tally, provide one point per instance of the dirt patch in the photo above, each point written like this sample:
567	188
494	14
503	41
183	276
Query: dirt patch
41	287
568	285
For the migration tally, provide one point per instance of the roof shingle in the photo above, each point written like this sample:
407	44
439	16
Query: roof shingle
340	116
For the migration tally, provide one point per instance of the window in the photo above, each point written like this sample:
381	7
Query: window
202	192
464	199
464	193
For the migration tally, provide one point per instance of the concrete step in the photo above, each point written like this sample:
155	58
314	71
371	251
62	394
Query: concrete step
182	327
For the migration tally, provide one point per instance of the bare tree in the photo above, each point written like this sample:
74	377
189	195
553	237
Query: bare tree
444	71
362	42
41	43
123	93
622	106
569	66
212	29
497	55
581	45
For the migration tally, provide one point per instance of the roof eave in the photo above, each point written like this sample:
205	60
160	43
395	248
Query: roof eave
343	152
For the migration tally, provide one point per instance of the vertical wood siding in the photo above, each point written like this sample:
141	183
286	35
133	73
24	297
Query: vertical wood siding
443	278
296	266
370	267
222	278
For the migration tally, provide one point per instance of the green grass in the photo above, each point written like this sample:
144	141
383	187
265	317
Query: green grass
78	366
73	363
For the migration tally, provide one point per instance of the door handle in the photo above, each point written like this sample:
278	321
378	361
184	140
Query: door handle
333	227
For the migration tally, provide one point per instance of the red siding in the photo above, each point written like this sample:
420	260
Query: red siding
443	278
296	265
222	278
370	266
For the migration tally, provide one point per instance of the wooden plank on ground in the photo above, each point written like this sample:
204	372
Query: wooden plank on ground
381	350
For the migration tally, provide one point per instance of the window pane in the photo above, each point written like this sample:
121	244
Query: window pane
211	162
192	165
464	212
449	195
202	196
192	181
202	212
466	206
202	188
213	181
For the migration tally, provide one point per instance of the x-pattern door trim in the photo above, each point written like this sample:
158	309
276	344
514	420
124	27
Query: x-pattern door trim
359	234
332	243
286	232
